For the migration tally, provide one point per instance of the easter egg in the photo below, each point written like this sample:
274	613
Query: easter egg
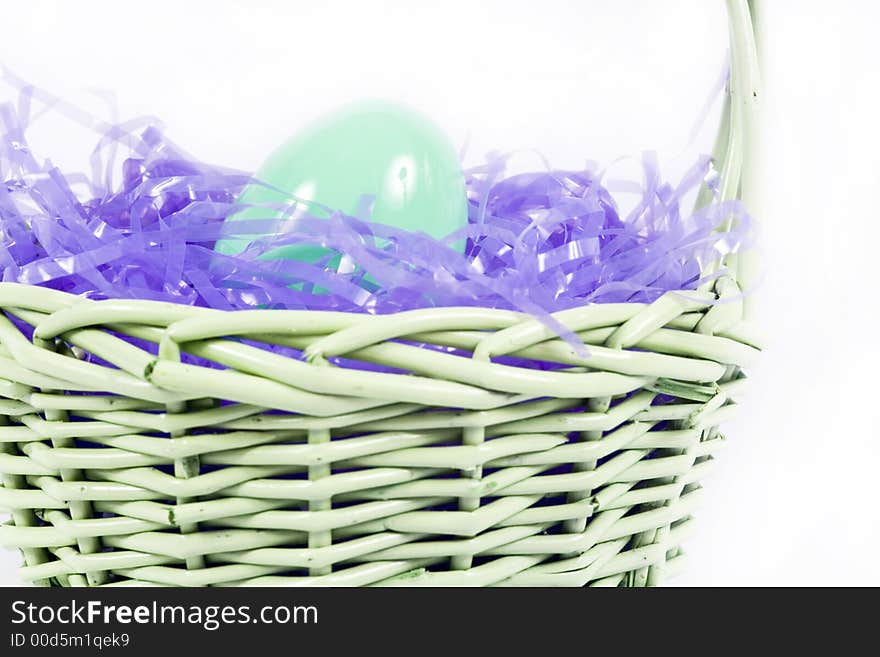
381	149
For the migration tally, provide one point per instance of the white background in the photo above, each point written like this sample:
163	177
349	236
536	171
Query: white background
793	499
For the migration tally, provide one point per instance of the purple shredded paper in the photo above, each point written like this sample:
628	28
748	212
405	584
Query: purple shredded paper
144	222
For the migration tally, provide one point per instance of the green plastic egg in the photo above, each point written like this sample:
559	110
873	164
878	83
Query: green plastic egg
377	148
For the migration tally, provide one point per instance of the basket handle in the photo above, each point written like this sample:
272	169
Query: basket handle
741	120
736	146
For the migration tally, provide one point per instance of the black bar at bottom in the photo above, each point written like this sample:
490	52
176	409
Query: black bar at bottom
270	621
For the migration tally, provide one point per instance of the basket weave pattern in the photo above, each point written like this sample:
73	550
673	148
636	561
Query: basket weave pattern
484	451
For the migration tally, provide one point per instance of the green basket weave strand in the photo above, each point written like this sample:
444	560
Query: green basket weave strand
123	468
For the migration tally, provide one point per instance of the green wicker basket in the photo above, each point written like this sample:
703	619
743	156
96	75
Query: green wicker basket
123	468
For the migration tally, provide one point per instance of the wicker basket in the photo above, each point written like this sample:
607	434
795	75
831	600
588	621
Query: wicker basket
121	467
